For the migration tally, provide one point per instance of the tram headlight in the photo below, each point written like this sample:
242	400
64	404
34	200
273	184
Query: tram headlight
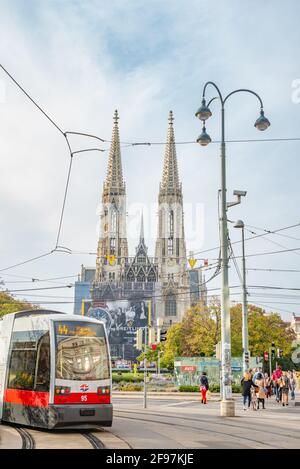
103	390
62	390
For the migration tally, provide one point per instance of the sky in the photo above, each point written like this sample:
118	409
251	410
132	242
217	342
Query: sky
81	60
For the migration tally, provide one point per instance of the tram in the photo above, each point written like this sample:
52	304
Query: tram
55	370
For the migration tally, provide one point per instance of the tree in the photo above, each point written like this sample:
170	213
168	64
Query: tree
8	304
200	331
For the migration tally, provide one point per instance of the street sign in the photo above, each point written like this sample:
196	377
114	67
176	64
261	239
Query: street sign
188	369
111	259
162	336
192	263
266	356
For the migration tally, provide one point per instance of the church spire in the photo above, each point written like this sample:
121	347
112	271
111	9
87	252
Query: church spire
114	178
142	237
170	179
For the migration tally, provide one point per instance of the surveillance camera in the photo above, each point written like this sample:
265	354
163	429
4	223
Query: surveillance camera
240	193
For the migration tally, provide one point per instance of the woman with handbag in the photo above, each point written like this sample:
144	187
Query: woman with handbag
247	384
261	395
203	387
285	387
267	385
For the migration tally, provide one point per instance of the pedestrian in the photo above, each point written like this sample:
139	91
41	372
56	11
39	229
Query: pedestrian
293	383
247	384
261	395
277	380
267	385
204	386
258	371
285	387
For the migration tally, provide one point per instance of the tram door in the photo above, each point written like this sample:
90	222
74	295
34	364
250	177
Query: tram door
26	396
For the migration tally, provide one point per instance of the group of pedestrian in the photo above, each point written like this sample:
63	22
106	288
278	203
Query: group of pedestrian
258	386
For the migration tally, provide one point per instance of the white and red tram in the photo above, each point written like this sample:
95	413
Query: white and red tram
54	370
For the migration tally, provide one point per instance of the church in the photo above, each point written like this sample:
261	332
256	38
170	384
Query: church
131	291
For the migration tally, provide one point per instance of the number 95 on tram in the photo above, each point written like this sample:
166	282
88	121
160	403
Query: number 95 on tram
54	370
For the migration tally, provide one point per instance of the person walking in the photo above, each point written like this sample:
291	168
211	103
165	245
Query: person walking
267	385
285	387
204	386
261	395
293	384
247	384
277	374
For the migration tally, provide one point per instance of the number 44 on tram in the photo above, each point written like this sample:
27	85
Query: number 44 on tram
54	370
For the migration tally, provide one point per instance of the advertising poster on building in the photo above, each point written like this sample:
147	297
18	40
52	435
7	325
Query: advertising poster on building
121	317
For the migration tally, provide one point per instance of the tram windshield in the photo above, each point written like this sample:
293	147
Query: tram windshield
81	351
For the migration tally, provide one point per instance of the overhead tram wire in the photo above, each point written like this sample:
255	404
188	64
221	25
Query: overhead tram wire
65	134
252	237
69	169
273	270
273	242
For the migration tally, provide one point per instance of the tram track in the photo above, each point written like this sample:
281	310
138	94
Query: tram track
190	427
28	441
93	440
250	426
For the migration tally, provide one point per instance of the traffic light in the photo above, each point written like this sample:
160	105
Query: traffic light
273	351
218	351
151	335
247	357
163	335
279	353
139	339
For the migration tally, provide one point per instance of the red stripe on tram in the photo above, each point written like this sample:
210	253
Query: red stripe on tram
30	398
82	398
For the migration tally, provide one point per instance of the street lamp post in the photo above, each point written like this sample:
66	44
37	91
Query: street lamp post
262	123
240	224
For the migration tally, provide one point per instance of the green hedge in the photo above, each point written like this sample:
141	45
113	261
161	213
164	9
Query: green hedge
236	388
131	387
127	378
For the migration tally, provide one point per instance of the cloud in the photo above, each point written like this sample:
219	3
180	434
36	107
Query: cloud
81	60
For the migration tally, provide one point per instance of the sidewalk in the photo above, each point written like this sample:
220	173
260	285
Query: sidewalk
160	394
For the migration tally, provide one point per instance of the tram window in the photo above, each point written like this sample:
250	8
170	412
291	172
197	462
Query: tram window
22	369
42	379
29	367
81	351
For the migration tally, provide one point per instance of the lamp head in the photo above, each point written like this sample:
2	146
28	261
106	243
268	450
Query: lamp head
262	123
204	139
239	224
203	112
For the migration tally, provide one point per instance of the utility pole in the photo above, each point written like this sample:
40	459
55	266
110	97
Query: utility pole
145	367
245	339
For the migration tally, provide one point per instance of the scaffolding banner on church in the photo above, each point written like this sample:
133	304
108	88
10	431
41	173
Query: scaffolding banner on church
121	317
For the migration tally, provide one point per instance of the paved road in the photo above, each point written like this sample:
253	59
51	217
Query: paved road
174	422
178	423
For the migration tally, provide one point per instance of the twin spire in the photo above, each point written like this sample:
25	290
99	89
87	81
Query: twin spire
114	178
170	179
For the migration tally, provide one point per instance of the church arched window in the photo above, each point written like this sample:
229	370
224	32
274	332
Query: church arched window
170	246
141	276
130	276
171	222
113	221
171	307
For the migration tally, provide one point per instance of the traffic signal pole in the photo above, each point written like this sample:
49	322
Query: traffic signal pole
145	367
